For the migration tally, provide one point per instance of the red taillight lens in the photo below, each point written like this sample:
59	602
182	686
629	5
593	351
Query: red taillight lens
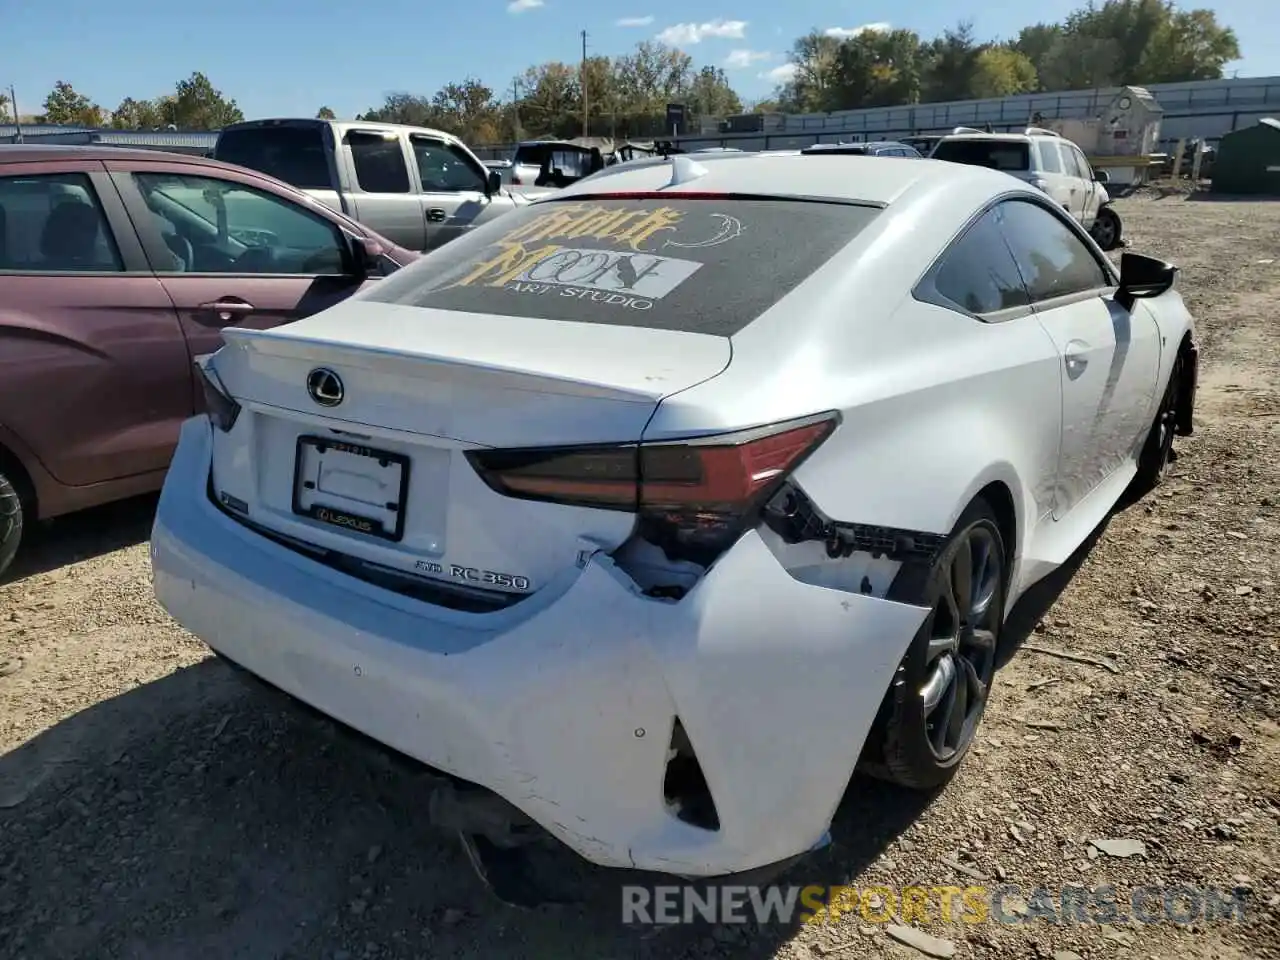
222	410
694	497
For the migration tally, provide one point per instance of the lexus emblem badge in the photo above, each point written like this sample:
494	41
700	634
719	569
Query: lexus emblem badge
325	387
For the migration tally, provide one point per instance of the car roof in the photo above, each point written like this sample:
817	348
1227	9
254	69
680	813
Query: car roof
35	153
880	180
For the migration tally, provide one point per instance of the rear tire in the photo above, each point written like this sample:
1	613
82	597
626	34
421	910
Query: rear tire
1106	229
11	516
932	710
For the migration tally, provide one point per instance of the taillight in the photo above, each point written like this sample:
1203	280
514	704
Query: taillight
694	497
222	410
515	179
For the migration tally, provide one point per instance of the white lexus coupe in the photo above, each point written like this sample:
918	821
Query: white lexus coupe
655	507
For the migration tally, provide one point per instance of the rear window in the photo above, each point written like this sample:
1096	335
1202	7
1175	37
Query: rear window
694	265
531	154
998	154
294	154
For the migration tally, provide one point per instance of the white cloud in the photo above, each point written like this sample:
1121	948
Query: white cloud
635	21
741	59
782	74
845	33
686	33
520	6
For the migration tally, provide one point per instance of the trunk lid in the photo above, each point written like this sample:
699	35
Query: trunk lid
385	482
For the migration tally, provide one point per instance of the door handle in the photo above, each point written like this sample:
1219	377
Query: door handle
227	308
1075	359
435	215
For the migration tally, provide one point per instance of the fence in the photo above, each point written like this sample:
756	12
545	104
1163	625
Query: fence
1204	109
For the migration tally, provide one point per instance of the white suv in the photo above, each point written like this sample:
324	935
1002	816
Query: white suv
1048	161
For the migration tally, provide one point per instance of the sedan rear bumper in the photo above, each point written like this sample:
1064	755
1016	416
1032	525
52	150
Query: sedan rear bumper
565	703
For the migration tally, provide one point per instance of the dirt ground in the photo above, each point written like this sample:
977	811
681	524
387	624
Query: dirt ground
152	806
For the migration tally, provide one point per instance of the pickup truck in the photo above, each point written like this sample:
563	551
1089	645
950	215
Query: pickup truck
418	187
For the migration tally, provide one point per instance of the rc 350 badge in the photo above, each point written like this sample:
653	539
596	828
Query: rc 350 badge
489	578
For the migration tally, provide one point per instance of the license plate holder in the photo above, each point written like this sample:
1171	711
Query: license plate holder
376	471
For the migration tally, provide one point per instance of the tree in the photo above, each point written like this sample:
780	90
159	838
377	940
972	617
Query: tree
401	107
136	115
709	94
549	101
467	110
813	86
952	63
1001	71
65	106
197	105
324	113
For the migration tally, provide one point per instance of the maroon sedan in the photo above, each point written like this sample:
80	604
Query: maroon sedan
117	268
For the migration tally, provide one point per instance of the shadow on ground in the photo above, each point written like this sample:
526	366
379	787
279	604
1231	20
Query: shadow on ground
83	535
202	816
1209	196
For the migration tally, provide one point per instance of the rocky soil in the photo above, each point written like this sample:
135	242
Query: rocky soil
152	806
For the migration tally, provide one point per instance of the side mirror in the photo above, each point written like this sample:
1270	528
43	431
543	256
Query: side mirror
367	255
493	183
1142	277
1102	177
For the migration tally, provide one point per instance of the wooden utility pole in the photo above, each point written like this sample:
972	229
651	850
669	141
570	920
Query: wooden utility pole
585	107
17	124
515	108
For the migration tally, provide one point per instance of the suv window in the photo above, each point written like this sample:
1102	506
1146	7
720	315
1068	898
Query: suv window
1082	164
1050	159
1013	156
53	223
672	263
1053	260
444	168
379	162
227	227
294	154
978	273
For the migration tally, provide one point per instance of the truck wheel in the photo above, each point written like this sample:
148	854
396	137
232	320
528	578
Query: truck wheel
11	511
1106	229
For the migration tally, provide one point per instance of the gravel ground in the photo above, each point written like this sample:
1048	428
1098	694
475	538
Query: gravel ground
152	806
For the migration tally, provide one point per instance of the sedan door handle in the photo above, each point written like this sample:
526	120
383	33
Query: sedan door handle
1075	359
435	215
227	308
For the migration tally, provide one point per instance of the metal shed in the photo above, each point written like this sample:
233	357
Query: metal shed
1248	160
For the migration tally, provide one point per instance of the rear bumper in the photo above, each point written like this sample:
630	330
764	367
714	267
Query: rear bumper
563	704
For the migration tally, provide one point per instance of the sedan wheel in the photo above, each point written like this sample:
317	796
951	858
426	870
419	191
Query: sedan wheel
932	711
10	522
1157	451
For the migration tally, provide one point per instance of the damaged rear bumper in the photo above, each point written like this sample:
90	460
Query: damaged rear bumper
565	705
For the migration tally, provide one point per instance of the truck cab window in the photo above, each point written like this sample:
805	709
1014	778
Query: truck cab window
379	162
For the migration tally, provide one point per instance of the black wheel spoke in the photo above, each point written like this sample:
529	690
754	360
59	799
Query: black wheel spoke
958	713
962	581
984	640
977	689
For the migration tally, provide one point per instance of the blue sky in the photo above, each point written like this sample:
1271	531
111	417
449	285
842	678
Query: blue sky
289	57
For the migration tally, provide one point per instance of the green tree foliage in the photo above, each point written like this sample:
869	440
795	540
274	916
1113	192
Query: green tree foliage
324	113
1104	43
1112	43
64	105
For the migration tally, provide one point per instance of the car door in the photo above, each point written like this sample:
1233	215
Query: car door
94	373
453	188
1060	184
231	249
1110	356
1091	191
383	195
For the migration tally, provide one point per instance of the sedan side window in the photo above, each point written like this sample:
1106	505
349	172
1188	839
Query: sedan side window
977	273
53	223
1053	260
444	169
221	226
